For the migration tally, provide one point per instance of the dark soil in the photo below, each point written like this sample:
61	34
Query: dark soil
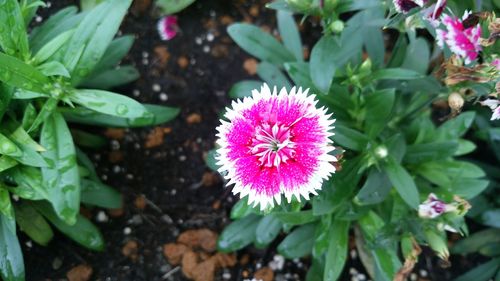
194	73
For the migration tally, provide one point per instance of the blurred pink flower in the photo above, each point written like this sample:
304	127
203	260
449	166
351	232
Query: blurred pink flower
462	41
404	6
496	63
274	144
433	207
167	27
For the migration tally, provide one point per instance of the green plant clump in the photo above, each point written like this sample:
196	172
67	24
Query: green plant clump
59	73
394	153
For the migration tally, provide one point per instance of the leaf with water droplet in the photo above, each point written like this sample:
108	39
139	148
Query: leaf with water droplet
109	103
62	179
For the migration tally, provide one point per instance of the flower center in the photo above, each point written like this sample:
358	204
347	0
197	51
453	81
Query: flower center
272	144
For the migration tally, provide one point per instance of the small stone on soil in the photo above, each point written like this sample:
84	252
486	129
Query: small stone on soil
130	250
127	230
173	252
264	274
140	202
102	217
81	272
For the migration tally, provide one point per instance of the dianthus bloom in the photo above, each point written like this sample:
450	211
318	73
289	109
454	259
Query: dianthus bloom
465	42
496	63
274	144
167	27
433	207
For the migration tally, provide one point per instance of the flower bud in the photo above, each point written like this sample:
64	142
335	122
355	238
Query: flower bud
456	102
337	26
438	243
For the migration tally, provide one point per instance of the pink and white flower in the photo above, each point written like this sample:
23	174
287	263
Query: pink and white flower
433	207
496	63
464	42
167	27
274	144
404	6
494	105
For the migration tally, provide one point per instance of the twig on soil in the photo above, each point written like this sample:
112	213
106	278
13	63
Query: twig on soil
171	272
154	206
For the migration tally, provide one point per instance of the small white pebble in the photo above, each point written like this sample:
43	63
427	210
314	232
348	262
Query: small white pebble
136	93
117	169
129	176
361	277
182	158
226	275
353	271
173	192
353	254
198	40
163	97
38	19
277	263
192	61
210	37
413	277
115	145
127	230
104	177
145	61
423	272
102	217
258	265
206	49
145	54
15	197
29	244
156	87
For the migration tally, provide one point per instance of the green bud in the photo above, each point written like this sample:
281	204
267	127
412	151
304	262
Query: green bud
438	243
337	26
366	66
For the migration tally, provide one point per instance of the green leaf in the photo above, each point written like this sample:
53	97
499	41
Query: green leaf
268	229
296	218
7	147
95	32
424	152
337	250
116	50
464	147
395	74
6	94
299	72
13	36
11	259
259	43
244	88
6	163
173	6
29	183
19	74
211	161
33	224
290	34
378	110
299	242
456	127
398	52
112	78
417	56
238	234
53	68
476	241
89	4
101	195
6	208
273	76
466	187
109	103
481	272
48	108
241	209
155	115
58	23
375	189
85	139
52	47
402	182
350	138
82	231
491	218
61	178
322	64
